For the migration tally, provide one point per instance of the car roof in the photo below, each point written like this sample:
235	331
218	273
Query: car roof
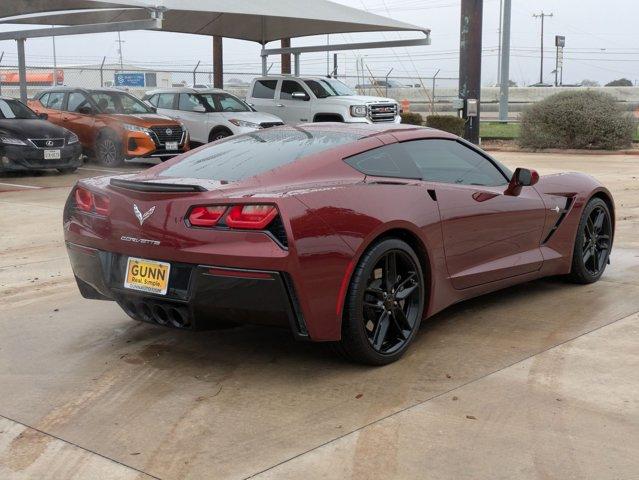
79	89
293	77
366	129
185	90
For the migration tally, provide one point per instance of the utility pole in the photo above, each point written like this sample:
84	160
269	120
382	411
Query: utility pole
120	42
470	65
218	62
499	29
543	16
504	82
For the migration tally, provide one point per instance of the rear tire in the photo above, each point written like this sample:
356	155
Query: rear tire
384	304
592	244
108	151
219	135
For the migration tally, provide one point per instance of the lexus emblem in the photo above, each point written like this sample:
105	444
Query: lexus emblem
49	143
168	131
142	217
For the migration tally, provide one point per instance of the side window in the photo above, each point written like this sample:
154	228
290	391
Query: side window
264	89
153	100
55	100
75	101
289	87
188	102
165	100
44	98
387	161
448	161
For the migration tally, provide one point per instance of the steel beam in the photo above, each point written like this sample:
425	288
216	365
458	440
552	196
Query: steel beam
348	46
150	24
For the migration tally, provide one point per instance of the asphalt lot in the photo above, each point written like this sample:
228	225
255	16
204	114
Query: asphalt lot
537	381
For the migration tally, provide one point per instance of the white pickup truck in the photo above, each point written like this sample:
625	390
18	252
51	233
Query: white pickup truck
318	99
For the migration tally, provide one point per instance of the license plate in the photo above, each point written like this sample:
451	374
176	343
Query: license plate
147	276
52	154
171	145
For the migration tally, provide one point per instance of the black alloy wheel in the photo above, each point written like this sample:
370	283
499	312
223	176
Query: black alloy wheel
593	243
385	304
219	135
109	152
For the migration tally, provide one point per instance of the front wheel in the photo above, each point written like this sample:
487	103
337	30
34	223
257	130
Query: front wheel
109	152
384	305
593	243
219	135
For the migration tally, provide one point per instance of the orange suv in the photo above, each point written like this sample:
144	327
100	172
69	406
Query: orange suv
112	124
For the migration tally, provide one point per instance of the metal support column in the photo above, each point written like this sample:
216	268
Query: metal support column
22	69
286	57
504	82
218	62
264	65
297	64
470	65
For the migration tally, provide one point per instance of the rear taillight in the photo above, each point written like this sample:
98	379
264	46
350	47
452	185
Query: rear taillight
244	217
91	202
206	216
251	217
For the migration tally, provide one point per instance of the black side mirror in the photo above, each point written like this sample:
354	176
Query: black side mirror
85	110
43	116
523	177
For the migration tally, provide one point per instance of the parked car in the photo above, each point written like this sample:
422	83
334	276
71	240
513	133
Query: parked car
112	124
318	99
209	114
29	142
342	233
380	84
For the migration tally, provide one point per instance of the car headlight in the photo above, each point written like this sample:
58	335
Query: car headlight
73	138
358	110
136	128
245	124
11	140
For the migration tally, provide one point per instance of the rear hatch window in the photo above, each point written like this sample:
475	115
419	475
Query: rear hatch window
251	154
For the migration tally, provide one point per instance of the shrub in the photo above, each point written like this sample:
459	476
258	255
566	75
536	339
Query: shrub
447	123
412	118
580	119
622	82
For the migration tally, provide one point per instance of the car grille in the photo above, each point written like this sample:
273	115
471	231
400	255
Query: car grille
270	124
168	133
48	142
382	112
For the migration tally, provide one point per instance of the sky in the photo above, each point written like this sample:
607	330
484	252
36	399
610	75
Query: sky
602	43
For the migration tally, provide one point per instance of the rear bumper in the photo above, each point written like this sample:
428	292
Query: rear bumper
20	158
199	296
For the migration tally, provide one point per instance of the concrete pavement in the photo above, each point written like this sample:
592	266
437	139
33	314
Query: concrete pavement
538	381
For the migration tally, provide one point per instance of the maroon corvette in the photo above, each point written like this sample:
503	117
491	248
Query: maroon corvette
346	234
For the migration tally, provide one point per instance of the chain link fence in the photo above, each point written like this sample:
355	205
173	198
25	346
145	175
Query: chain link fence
425	94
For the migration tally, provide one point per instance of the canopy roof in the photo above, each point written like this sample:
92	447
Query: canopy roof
258	20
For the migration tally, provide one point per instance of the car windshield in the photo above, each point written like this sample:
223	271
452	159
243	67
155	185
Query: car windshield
16	110
329	88
251	154
223	102
118	102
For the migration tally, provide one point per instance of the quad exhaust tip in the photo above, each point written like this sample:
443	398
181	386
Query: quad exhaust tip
158	313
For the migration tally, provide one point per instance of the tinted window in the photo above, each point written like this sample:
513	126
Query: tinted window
118	102
388	161
165	100
448	161
264	89
245	156
188	102
55	100
289	87
75	101
153	99
223	102
44	98
15	109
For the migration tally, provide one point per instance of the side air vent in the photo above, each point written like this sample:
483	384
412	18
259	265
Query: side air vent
560	220
155	187
276	227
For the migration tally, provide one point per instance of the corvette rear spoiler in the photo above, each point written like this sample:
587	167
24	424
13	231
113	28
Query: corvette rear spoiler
155	187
